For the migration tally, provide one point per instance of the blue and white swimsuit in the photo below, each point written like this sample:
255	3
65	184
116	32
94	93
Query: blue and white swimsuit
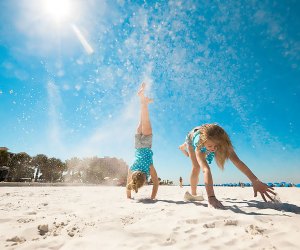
143	154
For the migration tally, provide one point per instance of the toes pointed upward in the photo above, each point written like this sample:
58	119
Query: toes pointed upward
142	89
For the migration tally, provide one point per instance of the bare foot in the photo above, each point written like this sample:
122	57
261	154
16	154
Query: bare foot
182	147
141	90
144	99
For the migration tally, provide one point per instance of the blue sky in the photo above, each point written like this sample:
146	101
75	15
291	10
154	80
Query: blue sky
68	82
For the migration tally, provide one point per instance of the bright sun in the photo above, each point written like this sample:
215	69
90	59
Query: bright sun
59	9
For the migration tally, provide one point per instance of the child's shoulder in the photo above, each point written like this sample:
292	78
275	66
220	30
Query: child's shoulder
197	128
194	130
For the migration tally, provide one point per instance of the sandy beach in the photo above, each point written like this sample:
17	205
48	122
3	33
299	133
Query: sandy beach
97	217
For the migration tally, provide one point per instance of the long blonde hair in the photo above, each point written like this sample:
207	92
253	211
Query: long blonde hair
138	179
218	135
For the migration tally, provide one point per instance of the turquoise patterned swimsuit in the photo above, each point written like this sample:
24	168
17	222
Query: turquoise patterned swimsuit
143	154
143	161
194	142
209	155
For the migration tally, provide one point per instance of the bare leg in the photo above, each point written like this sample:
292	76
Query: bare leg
145	124
139	128
194	179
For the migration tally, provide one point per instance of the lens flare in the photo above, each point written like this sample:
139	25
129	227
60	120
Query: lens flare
59	9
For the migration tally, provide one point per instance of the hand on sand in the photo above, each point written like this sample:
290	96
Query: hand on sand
215	203
263	189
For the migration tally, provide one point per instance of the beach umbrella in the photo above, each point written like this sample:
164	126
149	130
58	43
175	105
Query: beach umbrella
270	184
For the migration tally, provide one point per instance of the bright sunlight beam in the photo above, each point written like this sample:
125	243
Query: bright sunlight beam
60	10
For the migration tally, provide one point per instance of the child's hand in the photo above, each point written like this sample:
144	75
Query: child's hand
264	190
215	203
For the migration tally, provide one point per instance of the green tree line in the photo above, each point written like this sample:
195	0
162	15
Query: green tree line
94	170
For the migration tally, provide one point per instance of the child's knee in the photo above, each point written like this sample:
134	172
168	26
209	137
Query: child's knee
196	169
204	170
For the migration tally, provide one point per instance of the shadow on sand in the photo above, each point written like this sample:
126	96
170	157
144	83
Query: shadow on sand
149	201
236	205
283	207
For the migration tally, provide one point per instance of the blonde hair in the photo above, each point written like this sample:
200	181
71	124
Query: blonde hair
218	135
138	179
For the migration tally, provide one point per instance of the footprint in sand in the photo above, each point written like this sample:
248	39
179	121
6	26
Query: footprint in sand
213	224
230	222
169	241
189	230
193	221
209	225
254	230
31	213
127	220
17	239
25	220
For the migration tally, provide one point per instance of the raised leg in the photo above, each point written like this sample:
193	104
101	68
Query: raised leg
144	126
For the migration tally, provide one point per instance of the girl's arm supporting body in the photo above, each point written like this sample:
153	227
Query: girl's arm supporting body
154	178
258	186
155	181
208	181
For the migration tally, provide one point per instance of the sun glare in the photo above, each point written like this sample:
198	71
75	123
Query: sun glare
59	9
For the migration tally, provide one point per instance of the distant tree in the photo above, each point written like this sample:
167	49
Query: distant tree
4	161
4	158
94	172
53	169
20	167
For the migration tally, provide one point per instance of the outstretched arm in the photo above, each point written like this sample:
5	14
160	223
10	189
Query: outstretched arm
258	186
213	201
155	182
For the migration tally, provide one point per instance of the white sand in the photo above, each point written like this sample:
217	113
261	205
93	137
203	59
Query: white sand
102	218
